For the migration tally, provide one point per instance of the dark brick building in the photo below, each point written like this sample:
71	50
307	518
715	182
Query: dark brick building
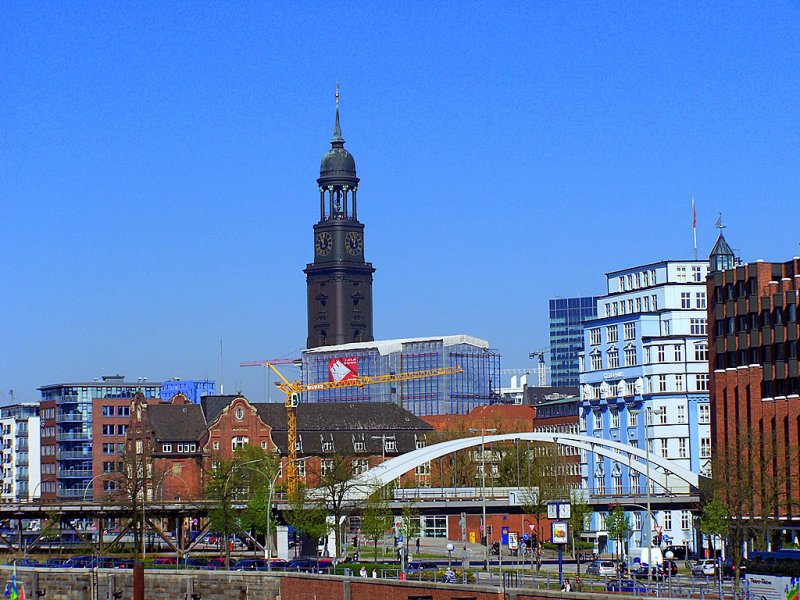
755	424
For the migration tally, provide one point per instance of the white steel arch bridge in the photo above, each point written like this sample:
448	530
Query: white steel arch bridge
663	472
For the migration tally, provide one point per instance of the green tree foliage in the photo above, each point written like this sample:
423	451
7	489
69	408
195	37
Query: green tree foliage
307	514
542	484
376	518
580	513
618	525
409	523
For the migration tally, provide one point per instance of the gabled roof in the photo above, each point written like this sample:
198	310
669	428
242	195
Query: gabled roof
177	422
342	416
721	248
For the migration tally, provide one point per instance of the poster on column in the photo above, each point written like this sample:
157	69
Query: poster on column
343	368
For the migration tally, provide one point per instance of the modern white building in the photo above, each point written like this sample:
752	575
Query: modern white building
644	380
21	452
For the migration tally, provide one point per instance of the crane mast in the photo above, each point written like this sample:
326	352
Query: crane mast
293	389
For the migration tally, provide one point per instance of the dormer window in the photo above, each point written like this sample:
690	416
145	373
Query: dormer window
298	445
328	446
390	445
421	441
359	446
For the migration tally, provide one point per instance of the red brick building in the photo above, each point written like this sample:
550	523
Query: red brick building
755	408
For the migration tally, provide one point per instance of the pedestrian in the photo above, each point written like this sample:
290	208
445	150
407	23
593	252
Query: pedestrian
417	545
363	571
566	587
374	573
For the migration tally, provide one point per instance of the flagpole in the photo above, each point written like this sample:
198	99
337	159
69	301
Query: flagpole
694	228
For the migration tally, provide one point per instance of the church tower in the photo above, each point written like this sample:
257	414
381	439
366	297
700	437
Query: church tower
339	281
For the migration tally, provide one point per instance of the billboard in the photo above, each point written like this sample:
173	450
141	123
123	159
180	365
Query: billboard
343	368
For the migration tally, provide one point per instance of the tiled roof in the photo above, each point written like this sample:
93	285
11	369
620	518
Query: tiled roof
177	422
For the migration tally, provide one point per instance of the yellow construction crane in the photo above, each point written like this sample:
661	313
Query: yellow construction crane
293	389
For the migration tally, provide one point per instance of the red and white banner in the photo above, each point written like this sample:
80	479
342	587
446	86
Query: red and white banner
342	369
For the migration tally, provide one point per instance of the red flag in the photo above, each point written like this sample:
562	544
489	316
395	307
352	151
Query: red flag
694	215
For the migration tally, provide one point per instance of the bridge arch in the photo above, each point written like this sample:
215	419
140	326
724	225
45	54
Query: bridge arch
634	458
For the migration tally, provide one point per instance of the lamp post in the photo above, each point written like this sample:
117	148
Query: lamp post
647	413
669	555
450	548
484	529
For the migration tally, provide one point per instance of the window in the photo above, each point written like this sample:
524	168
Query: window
630	331
613	359
661	354
121	429
139	446
697	274
655	301
705	413
679	383
616	308
701	382
327	446
682	448
239	441
326	466
109	467
109	448
425	469
594	336
166	447
677	352
698	327
647	355
681	414
637	280
583	422
686	520
630	388
215	445
700	299
301	469
634	418
638	305
239	415
701	352
630	357
107	411
108	430
667	520
390	445
686	300
622	284
611	333
608	310
359	446
615	419
647	304
630	305
705	447
662	384
597	362
123	411
263	444
646	278
109	486
630	282
420	441
680	275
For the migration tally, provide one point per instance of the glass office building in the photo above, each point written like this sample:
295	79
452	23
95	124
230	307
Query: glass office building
478	384
566	337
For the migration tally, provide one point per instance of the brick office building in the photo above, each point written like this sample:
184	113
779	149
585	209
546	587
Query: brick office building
755	408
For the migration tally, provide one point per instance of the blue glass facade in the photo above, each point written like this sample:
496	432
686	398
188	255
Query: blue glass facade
566	337
193	389
478	384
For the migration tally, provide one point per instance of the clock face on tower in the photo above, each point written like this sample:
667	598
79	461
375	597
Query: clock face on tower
354	243
323	243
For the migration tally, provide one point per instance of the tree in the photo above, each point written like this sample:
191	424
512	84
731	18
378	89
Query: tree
409	523
307	515
543	484
618	525
224	485
135	483
259	468
376	519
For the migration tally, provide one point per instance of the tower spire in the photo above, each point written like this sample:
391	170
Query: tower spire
337	130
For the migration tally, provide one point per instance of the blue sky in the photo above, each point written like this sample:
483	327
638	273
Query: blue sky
158	164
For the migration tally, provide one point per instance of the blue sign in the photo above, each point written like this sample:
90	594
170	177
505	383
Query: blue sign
399	538
504	535
526	537
665	537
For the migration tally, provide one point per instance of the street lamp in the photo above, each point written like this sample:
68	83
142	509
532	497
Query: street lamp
484	529
647	481
450	548
669	555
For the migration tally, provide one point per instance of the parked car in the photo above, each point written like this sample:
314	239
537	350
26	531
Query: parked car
729	570
108	562
669	567
25	562
306	565
55	562
420	565
629	586
278	564
219	563
706	567
251	564
602	568
164	561
678	552
79	562
194	562
654	573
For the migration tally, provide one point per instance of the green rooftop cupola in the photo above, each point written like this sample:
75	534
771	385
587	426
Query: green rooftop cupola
722	257
338	165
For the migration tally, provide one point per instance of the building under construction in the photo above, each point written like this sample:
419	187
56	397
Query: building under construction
459	393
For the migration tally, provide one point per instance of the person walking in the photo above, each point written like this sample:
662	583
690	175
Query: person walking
363	572
417	546
566	587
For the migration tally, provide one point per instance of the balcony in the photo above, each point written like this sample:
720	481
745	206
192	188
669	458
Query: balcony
68	436
73	454
74	473
76	493
72	417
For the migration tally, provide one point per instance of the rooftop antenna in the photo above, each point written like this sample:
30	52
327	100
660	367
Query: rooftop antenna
221	372
719	224
694	228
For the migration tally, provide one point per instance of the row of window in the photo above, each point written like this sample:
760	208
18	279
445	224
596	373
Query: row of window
114	429
660	354
633	281
658	416
696	274
631	306
647	385
182	448
49	450
699	300
48	413
48	432
666	520
116	411
113	448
